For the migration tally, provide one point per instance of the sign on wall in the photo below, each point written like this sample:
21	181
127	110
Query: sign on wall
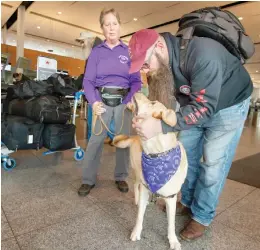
45	67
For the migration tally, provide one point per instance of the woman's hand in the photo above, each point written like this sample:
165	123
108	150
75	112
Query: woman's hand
98	108
146	126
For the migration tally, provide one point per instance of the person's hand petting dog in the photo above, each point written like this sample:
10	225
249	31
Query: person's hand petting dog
146	126
98	108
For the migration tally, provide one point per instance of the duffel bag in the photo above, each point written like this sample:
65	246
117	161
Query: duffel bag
17	107
30	88
59	136
44	109
21	133
62	84
10	95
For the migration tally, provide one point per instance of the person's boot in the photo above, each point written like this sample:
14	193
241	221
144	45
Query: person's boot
84	189
122	186
180	210
192	231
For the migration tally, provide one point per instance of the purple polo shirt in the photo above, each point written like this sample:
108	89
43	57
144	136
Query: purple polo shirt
109	67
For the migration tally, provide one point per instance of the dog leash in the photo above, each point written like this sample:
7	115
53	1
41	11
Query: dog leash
103	124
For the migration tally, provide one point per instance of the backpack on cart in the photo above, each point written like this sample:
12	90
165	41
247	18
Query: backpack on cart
21	133
219	25
62	84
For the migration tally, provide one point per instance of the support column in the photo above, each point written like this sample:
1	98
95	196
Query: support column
20	32
4	34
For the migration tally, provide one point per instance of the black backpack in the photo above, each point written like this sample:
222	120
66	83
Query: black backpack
219	25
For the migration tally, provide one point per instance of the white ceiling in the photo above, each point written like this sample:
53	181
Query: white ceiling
7	9
78	16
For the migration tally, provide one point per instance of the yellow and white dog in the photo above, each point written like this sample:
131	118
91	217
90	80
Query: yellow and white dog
160	165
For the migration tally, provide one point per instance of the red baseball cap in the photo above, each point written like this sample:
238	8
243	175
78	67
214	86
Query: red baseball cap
139	43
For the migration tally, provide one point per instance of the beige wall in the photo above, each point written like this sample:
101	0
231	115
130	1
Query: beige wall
75	67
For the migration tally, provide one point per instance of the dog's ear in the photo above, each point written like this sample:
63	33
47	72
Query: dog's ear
122	141
158	109
167	115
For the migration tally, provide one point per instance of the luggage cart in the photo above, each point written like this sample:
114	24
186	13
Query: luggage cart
79	152
71	99
9	163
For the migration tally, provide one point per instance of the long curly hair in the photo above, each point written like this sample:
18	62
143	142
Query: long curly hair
161	84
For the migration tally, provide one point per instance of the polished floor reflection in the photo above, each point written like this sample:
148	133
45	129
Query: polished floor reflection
41	208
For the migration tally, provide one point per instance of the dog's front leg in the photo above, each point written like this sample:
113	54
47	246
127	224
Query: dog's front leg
143	201
136	190
171	213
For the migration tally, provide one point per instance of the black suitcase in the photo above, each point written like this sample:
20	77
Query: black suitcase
59	136
44	109
21	133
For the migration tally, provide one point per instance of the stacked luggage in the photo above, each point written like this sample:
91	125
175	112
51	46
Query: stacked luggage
38	115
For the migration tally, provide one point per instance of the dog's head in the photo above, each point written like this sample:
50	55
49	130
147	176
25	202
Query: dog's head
141	105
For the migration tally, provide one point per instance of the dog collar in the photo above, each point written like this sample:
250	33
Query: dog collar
160	154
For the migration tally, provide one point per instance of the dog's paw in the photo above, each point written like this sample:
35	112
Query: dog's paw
136	234
175	245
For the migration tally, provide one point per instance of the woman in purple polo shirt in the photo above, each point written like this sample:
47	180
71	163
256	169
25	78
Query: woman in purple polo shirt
108	88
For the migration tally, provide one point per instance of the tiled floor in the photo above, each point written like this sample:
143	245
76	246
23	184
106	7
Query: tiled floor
41	208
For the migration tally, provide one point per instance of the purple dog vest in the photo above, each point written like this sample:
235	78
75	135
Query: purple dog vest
157	171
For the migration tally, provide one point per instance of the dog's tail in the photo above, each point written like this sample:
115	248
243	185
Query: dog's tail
123	141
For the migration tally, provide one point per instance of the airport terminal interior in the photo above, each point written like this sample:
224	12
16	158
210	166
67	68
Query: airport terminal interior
40	205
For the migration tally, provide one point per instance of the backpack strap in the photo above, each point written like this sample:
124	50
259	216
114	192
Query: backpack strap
186	36
183	51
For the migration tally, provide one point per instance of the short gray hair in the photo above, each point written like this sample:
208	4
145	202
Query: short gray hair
107	11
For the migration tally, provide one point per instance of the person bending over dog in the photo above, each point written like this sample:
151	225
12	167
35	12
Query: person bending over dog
108	88
214	102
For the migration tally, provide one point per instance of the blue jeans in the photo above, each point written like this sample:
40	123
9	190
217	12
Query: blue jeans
216	141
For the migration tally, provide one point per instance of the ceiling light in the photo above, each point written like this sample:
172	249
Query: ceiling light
48	40
240	18
38	27
253	78
257	71
135	19
72	46
59	13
